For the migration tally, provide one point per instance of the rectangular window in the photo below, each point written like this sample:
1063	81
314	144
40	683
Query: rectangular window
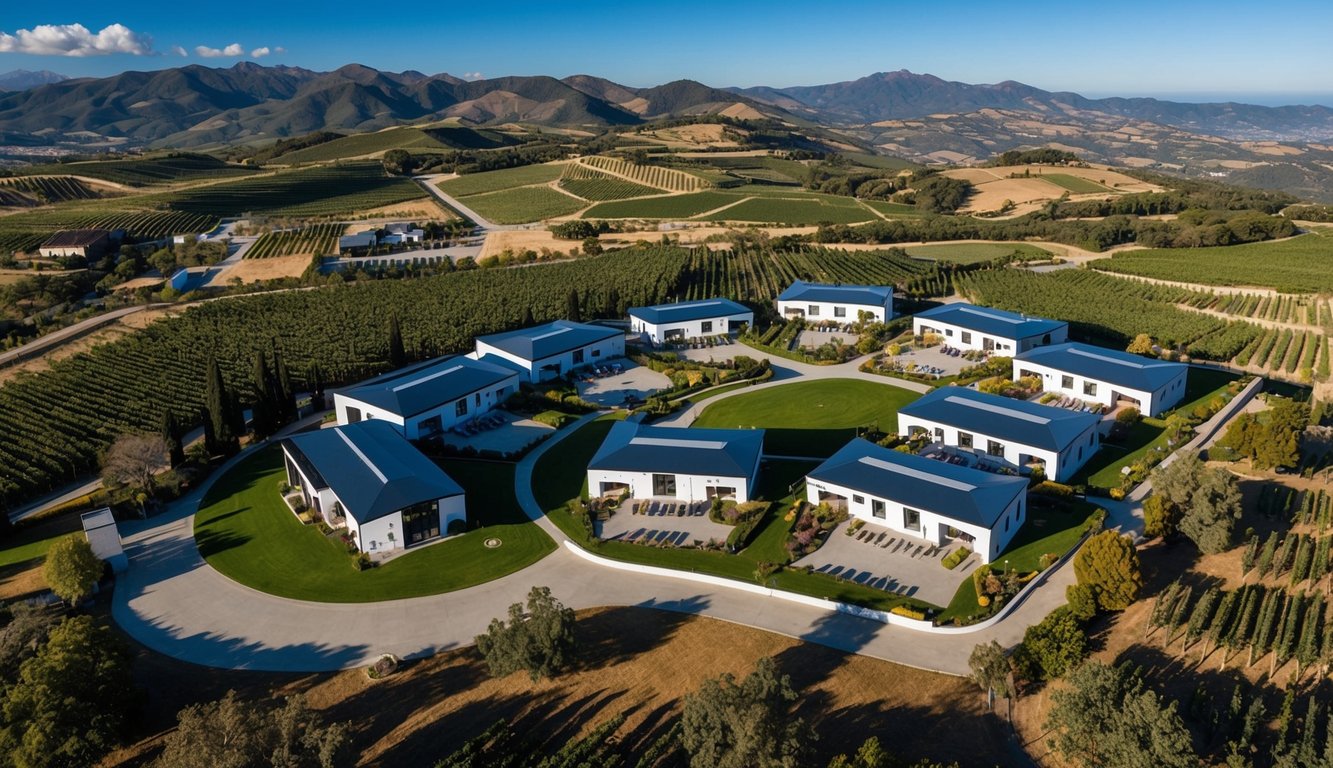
812	310
911	519
578	356
967	337
856	498
948	332
353	415
706	326
994	448
877	509
1066	382
839	311
939	434
1090	388
597	353
664	485
965	439
460	407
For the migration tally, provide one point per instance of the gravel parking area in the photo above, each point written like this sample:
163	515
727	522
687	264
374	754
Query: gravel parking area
662	522
633	381
893	562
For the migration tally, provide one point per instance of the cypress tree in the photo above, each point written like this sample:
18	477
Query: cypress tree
286	396
171	432
397	355
573	309
314	379
527	317
262	414
221	411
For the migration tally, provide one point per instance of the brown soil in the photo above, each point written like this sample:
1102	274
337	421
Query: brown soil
254	270
423	209
22	580
637	661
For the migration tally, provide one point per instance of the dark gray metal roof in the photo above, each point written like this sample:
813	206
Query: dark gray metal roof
421	387
544	341
951	491
634	447
371	467
1112	366
685	311
996	322
1027	423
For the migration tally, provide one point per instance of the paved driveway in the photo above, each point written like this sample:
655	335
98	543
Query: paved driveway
884	559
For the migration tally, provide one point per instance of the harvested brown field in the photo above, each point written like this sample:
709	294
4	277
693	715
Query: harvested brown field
254	270
637	661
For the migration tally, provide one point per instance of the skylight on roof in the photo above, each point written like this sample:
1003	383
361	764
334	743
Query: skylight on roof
549	334
364	458
991	315
997	409
917	474
1106	359
425	379
671	442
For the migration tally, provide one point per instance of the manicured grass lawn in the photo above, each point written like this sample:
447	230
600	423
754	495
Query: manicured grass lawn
246	532
507	178
714	392
1046	531
559	477
524	204
972	253
31	542
813	418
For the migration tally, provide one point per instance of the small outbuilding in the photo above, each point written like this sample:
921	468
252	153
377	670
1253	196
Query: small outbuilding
99	526
86	244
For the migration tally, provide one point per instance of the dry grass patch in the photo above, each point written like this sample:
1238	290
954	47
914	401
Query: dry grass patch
255	270
20	581
639	661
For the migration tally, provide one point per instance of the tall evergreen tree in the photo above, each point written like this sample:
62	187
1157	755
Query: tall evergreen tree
573	308
286	396
314	379
171	432
527	317
397	355
262	416
221	410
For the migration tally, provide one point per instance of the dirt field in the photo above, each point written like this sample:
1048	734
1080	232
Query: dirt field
424	209
709	135
20	581
11	276
254	270
994	186
537	239
638	661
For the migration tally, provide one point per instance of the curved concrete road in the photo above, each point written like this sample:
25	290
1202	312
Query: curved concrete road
172	601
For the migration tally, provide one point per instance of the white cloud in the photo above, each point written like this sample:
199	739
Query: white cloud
473	76
234	49
260	52
176	50
76	40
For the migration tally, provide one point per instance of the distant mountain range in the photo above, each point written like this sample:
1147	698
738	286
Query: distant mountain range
23	79
918	117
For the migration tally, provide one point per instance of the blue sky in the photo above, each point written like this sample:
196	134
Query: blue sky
1270	54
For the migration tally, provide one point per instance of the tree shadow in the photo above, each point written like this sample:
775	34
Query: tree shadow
212	542
615	635
834	637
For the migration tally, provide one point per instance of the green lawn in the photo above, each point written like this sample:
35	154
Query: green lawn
972	253
522	205
559	477
1076	184
24	547
493	181
1046	531
246	532
811	418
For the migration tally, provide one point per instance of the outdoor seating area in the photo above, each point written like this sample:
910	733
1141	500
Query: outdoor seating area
889	560
699	342
482	423
927	361
961	458
662	522
1072	403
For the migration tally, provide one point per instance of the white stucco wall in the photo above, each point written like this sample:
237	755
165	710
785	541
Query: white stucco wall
657	333
1059	466
959	337
988	542
1152	403
688	487
478	402
815	311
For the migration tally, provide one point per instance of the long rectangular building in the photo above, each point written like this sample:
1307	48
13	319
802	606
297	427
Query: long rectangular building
551	350
931	500
682	464
428	398
967	326
839	302
689	319
1020	434
1106	376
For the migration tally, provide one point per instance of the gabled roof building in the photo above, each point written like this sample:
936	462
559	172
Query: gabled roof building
673	463
550	350
428	398
665	323
1106	376
839	302
967	326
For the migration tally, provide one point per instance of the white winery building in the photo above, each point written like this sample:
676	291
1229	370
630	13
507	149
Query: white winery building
428	398
673	463
1018	434
840	303
551	350
368	479
1106	376
937	502
689	320
967	326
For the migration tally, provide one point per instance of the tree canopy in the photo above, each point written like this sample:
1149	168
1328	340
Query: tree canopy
1105	718
539	638
1205	500
744	725
1109	565
233	732
72	569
